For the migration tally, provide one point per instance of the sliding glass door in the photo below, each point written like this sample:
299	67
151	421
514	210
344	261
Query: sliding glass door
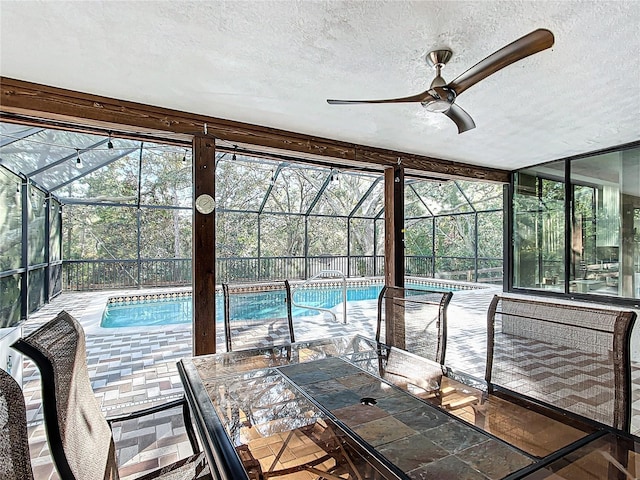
576	226
539	229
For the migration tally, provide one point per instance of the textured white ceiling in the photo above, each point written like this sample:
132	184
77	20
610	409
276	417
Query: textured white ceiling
274	63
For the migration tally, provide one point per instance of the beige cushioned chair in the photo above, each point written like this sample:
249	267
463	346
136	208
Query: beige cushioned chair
79	436
15	463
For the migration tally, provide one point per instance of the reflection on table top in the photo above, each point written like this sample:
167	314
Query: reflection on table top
608	457
350	408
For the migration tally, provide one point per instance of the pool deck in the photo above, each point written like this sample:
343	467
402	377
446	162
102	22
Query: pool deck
132	368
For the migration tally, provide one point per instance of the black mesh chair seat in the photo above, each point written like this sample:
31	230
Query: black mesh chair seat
15	462
245	328
79	436
576	357
414	320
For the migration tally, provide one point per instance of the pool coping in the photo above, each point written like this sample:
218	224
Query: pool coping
92	322
267	286
94	312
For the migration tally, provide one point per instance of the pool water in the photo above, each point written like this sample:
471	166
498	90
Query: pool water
256	306
147	313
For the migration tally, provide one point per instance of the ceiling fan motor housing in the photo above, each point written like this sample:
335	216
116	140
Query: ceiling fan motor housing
443	98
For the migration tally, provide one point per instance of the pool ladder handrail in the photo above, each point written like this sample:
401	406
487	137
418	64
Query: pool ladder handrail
320	309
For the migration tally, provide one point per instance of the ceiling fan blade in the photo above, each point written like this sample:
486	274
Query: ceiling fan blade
420	97
531	43
461	118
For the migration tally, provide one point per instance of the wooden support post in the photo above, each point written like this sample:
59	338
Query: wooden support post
204	249
394	252
394	226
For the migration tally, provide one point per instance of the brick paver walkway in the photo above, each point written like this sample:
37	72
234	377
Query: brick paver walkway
132	368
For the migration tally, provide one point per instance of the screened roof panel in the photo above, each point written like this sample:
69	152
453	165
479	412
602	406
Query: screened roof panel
442	198
11	132
372	200
112	175
295	188
242	184
50	157
37	151
263	185
414	206
344	192
58	175
166	176
483	196
116	182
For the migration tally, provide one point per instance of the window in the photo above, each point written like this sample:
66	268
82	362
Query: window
601	256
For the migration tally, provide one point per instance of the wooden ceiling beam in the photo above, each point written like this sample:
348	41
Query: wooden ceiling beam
52	103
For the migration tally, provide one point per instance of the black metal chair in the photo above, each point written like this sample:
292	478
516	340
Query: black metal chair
414	320
243	331
79	436
15	462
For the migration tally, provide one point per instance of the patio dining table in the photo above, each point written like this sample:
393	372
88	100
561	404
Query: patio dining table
346	408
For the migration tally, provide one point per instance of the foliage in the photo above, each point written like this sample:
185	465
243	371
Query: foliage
289	205
236	234
10	221
140	205
110	230
126	218
448	212
539	229
36	213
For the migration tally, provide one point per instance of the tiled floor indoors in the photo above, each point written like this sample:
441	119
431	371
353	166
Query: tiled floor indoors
132	368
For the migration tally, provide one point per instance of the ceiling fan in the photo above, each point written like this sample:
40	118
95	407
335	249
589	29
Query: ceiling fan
441	96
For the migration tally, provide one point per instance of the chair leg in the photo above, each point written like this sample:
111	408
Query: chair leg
188	425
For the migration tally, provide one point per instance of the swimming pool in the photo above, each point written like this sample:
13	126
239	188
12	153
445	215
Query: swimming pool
253	305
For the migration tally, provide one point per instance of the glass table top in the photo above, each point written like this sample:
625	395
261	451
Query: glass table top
611	456
349	407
